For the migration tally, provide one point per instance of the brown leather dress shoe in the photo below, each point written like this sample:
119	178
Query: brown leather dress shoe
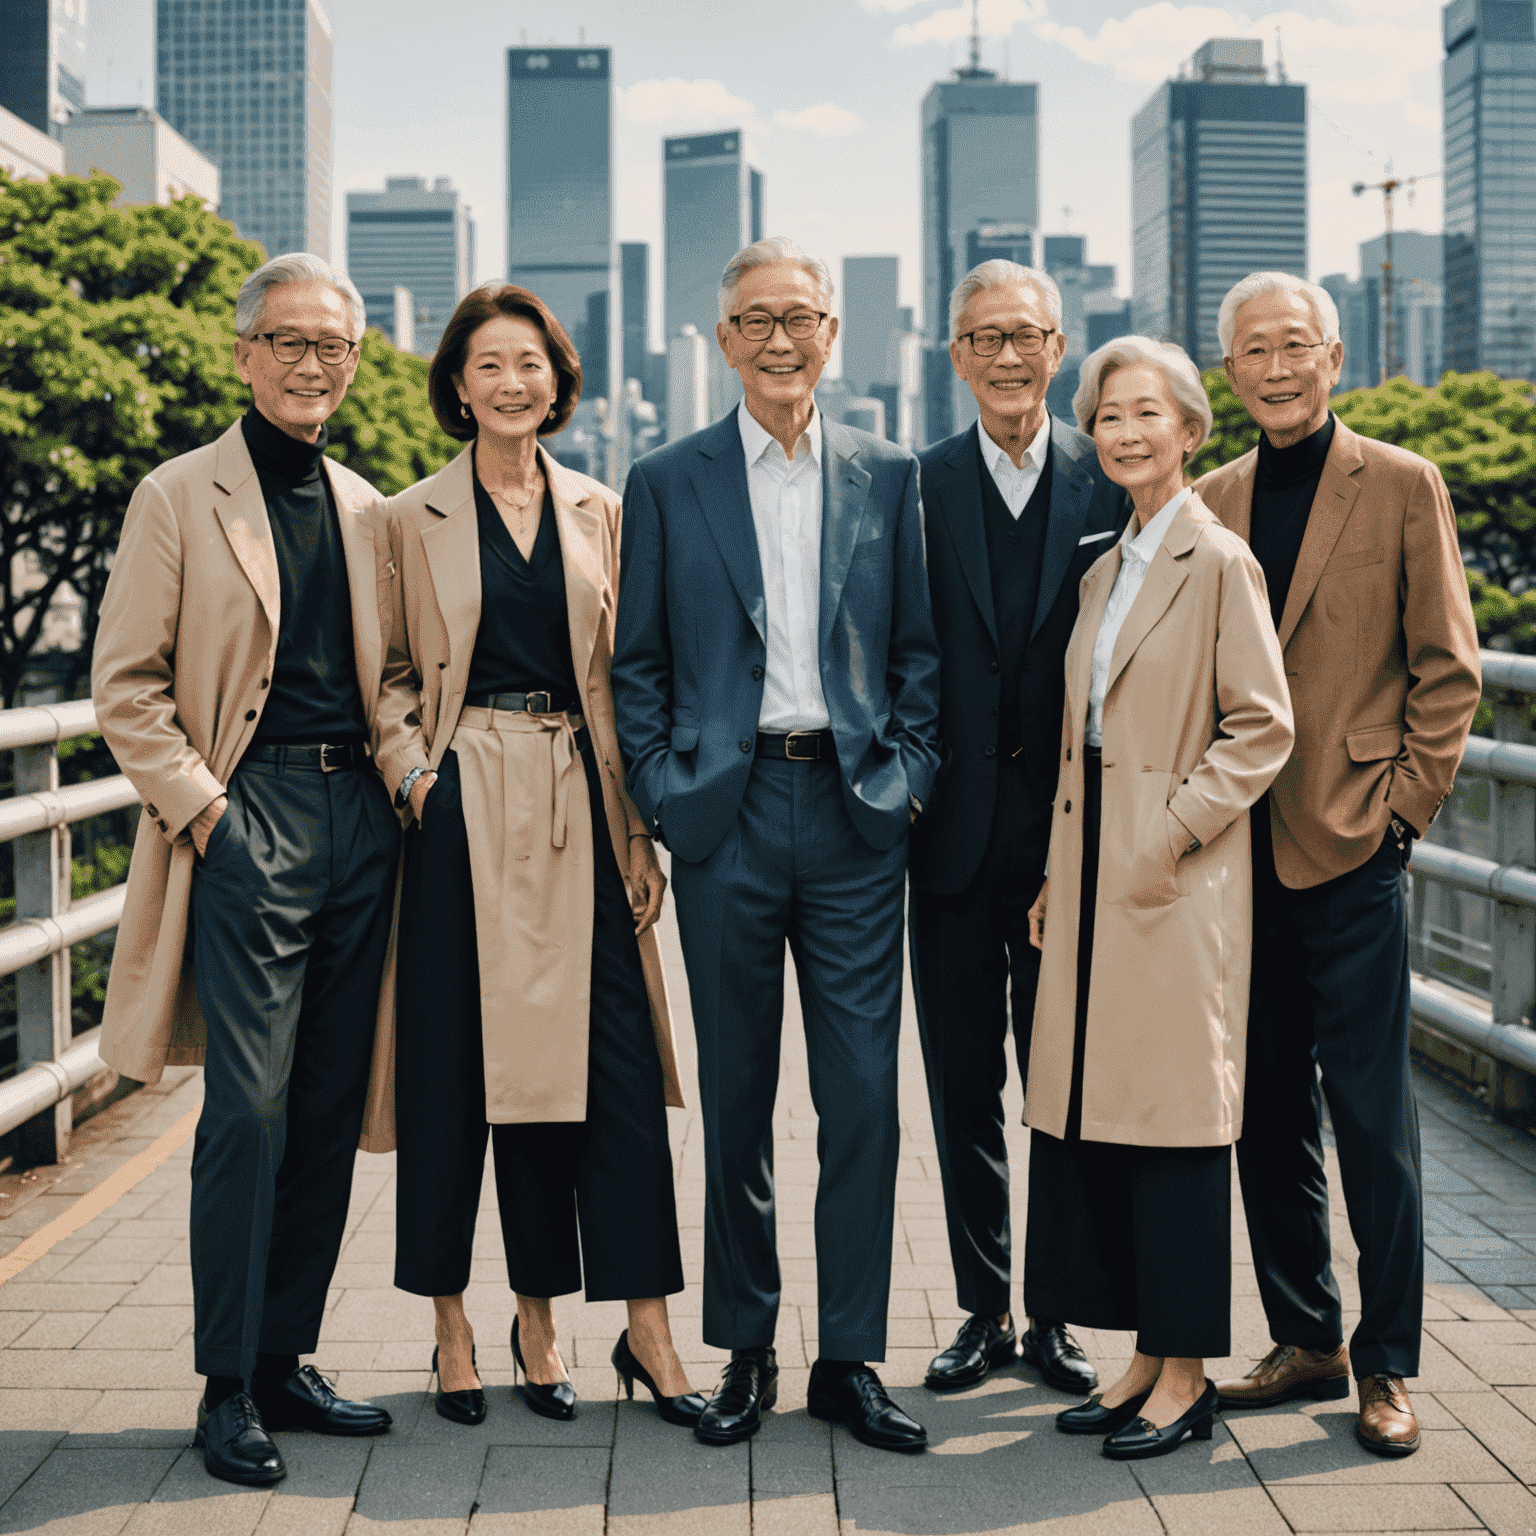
1386	1424
1289	1371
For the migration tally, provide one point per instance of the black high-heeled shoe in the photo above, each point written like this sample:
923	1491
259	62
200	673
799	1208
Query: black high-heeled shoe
1093	1418
553	1402
1142	1438
683	1410
466	1406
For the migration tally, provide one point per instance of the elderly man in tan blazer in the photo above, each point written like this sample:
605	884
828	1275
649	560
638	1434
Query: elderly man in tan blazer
1358	544
235	677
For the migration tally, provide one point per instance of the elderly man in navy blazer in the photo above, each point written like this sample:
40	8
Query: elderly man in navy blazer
1017	510
775	680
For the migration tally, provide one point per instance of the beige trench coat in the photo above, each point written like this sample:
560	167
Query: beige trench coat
1197	723
435	546
184	651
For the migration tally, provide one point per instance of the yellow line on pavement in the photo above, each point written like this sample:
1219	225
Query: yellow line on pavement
89	1206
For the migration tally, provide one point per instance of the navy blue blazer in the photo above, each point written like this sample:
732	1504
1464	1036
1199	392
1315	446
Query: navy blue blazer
1087	512
690	647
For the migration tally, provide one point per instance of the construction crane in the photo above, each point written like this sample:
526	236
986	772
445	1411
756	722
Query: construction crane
1389	186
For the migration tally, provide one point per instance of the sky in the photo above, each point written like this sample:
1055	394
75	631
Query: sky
828	94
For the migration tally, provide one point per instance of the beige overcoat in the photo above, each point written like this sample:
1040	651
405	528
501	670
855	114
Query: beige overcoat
184	655
1197	723
434	543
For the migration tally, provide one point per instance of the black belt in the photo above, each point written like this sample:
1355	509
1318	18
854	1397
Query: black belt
322	756
536	703
797	746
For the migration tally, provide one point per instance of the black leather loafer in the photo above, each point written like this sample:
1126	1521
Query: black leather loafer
749	1387
308	1401
979	1346
1142	1438
467	1405
235	1443
1093	1418
858	1399
1056	1355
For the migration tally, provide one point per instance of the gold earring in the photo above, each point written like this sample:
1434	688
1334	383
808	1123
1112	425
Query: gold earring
463	410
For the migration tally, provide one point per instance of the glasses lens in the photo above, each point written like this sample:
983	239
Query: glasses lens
801	326
986	343
1028	340
288	349
1297	352
333	349
756	326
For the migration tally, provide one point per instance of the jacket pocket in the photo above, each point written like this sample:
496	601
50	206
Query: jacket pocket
1355	558
1374	743
684	738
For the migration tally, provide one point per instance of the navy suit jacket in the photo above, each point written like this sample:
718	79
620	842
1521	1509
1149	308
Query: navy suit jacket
690	646
1087	513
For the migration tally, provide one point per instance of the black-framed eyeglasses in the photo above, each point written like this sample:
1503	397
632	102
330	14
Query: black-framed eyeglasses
289	348
1295	353
988	342
758	324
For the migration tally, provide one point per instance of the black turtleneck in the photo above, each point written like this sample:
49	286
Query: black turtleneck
1283	492
314	695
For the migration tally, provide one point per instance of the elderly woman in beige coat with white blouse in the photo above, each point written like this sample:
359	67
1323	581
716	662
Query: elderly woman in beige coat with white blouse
1177	719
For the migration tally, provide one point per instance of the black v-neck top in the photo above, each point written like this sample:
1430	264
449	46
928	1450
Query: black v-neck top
1284	488
523	644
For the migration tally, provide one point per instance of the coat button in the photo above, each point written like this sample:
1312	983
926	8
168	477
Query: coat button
1067	808
989	751
250	714
992	667
441	665
746	746
266	682
152	811
1069	754
757	674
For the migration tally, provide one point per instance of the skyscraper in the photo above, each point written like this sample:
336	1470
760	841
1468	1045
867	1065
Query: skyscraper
1490	187
42	61
1085	288
251	89
635	300
413	236
871	316
980	192
138	147
1218	190
713	206
560	197
1417	336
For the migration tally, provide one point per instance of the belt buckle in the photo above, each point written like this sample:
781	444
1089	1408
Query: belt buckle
327	767
529	706
794	757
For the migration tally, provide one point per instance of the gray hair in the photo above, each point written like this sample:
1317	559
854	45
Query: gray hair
1126	352
996	274
770	252
1257	284
295	267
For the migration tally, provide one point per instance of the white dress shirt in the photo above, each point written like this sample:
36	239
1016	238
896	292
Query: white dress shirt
786	512
1017	484
1136	552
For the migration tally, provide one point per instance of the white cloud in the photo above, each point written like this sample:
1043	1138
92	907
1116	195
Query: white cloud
702	103
997	18
1420	115
1150	43
825	120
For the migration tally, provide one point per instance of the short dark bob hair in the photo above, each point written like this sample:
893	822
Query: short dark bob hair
453	352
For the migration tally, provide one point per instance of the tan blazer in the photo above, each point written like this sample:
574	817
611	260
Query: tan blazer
434	542
184	651
1196	726
1380	653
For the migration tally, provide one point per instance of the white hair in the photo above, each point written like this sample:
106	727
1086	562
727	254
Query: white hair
996	274
295	267
770	252
1126	352
1257	284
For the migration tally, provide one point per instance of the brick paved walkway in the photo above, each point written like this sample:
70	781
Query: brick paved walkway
97	1394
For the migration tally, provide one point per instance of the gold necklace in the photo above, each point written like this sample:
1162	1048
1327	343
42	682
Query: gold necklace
520	508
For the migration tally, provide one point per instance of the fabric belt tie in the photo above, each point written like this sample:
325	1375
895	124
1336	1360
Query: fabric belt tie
564	752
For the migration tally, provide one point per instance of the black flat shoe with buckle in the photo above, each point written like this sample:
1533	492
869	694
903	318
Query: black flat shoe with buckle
1093	1418
1142	1438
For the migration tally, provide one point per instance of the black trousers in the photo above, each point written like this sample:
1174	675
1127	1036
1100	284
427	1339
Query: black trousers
1126	1237
608	1178
970	951
290	919
1330	991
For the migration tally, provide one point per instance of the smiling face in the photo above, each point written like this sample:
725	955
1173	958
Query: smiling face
298	397
1142	436
781	373
1010	387
1288	398
508	382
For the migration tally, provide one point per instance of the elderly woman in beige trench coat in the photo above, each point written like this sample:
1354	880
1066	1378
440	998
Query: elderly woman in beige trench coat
531	1006
1177	720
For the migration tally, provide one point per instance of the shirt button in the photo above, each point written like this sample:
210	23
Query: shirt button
992	667
250	714
746	746
757	674
989	751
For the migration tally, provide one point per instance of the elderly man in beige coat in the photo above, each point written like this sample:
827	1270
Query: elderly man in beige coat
235	677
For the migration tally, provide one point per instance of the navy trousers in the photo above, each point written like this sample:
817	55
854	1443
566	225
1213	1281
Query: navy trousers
1330	991
794	869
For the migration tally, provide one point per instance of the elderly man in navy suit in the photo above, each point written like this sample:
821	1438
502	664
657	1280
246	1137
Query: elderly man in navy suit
775	680
1017	510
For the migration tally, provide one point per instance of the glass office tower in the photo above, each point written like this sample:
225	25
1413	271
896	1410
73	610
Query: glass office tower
560	197
42	61
1490	187
871	316
251	88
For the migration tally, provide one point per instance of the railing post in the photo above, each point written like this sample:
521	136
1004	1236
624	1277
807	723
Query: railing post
1513	983
43	1001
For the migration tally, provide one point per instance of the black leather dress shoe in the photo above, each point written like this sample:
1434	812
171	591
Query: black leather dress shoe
1093	1418
1142	1438
308	1401
749	1387
1055	1354
858	1399
235	1444
467	1405
979	1346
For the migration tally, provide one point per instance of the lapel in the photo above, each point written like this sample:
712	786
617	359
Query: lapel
243	513
1098	583
963	516
580	526
720	482
1237	504
362	576
844	496
1166	574
1071	491
1331	506
452	548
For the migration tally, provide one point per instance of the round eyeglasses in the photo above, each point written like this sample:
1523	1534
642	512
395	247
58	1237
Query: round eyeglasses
288	348
987	342
758	325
